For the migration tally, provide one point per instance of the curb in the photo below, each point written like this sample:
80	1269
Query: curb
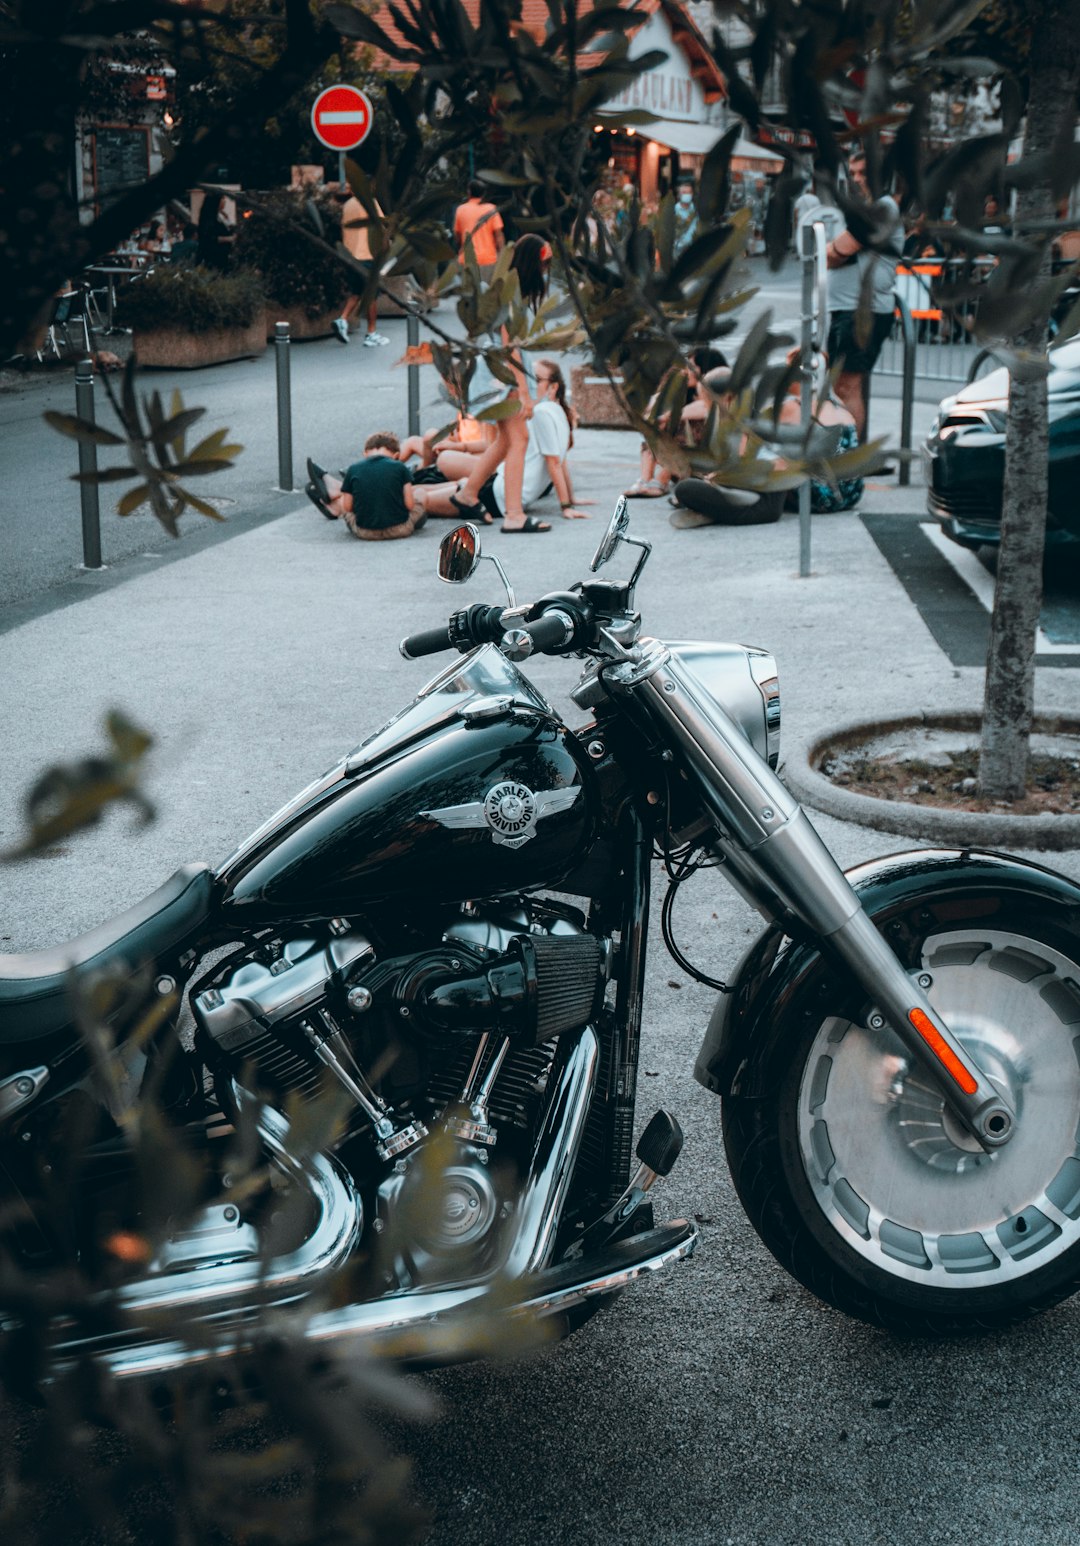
930	823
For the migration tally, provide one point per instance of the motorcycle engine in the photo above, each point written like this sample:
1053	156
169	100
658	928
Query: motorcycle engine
445	1050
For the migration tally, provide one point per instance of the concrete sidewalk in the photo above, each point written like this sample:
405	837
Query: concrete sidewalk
258	661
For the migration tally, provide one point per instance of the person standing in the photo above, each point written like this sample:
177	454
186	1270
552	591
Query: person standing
853	268
530	262
215	234
686	219
479	220
356	240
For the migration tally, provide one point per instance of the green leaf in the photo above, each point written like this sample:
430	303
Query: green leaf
506	409
201	506
172	431
133	499
200	467
81	429
490	174
754	351
105	475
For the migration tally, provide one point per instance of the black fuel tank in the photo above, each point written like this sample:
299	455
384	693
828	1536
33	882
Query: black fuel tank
468	793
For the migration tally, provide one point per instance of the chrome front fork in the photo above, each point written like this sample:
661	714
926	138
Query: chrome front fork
785	868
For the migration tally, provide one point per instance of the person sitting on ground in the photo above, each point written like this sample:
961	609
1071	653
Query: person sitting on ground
551	435
376	497
703	502
653	480
828	411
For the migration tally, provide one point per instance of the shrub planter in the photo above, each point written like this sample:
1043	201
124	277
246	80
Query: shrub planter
187	317
595	402
301	326
169	346
930	823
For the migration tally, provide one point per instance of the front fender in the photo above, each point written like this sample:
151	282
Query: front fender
781	979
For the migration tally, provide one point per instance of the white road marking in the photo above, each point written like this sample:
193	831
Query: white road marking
981	584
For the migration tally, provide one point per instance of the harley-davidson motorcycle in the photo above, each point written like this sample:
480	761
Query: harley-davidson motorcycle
449	929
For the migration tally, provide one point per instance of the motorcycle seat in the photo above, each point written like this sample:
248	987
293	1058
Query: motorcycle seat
34	998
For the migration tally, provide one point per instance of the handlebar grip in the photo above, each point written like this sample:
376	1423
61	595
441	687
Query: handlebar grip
548	631
432	642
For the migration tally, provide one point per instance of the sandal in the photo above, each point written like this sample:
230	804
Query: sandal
317	476
530	524
650	490
313	494
475	513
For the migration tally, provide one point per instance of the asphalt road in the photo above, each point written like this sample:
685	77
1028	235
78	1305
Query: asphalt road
715	1403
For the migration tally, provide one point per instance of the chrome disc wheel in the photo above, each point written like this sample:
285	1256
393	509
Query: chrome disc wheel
897	1179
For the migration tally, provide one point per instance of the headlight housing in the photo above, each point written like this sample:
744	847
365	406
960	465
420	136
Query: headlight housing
742	680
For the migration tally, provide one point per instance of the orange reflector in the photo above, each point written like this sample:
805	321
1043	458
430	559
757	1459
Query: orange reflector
942	1051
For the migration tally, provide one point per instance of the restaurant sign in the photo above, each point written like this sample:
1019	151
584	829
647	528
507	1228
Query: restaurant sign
669	91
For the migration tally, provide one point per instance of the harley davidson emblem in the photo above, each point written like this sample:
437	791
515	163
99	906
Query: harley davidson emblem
510	809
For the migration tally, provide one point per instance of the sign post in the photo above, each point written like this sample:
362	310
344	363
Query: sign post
341	118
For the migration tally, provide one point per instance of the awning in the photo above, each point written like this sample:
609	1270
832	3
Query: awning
694	139
697	139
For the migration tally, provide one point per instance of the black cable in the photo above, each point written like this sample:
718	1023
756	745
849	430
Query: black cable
679	865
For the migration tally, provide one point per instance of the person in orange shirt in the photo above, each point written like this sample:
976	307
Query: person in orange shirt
482	221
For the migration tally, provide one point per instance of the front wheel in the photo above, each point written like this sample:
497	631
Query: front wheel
867	1190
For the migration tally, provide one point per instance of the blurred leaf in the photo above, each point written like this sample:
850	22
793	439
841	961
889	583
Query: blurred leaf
497	411
133	499
68	798
81	429
105	475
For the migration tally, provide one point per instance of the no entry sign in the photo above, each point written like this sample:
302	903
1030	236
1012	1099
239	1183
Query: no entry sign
342	117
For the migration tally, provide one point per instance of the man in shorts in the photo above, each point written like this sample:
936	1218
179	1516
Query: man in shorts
376	497
849	262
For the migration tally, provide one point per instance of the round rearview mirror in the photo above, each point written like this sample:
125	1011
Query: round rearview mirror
459	554
617	529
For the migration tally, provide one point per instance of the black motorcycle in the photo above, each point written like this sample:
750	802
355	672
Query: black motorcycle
449	931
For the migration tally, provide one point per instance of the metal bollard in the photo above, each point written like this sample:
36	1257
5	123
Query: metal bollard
412	337
88	492
815	312
284	407
908	395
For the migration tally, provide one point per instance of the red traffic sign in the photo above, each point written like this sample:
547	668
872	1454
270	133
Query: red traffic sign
342	117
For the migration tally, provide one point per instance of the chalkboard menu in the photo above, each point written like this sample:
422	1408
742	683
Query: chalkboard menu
121	159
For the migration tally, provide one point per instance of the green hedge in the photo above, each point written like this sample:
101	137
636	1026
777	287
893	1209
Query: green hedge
194	300
295	271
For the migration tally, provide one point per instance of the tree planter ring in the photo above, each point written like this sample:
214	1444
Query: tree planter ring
929	823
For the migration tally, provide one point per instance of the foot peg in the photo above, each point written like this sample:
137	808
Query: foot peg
658	1148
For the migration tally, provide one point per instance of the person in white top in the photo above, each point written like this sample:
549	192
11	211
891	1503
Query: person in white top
551	434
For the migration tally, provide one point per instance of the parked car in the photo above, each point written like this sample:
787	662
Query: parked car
965	456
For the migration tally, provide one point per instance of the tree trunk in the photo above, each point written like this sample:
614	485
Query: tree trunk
1009	699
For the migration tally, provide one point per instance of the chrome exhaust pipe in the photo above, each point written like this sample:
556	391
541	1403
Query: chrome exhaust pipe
539	1209
227	1291
221	1287
443	1325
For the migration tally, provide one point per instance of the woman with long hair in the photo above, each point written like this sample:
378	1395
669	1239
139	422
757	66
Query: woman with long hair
551	435
216	235
531	260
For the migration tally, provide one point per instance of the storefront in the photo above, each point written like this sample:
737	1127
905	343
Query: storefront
687	95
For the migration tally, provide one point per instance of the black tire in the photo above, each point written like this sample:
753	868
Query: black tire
867	1192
